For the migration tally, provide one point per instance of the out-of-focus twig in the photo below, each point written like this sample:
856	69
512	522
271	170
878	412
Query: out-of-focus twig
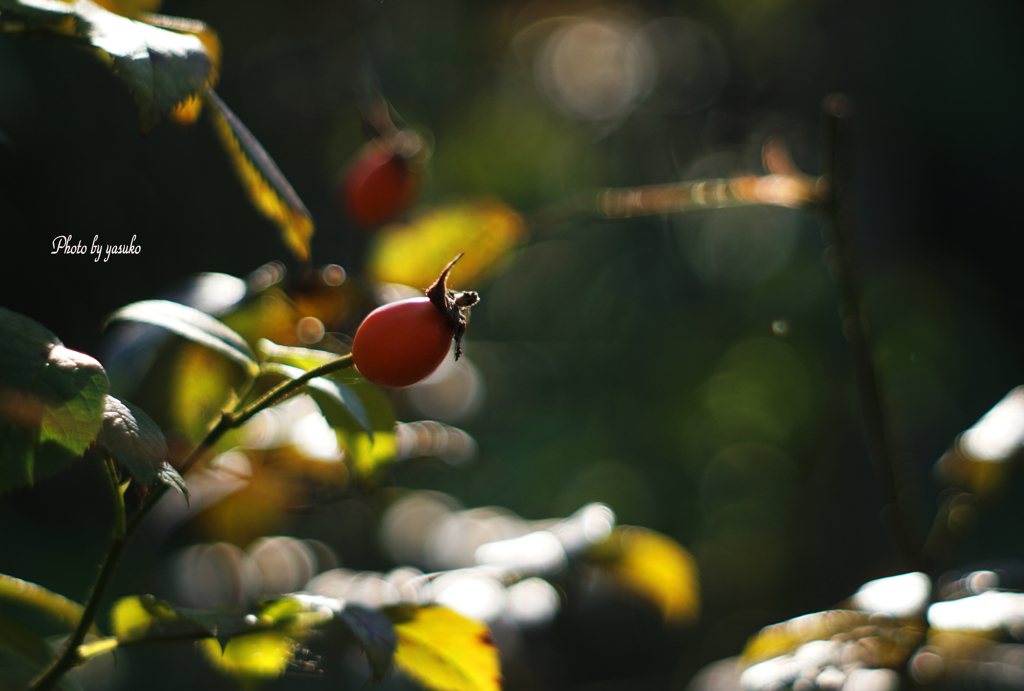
784	186
836	222
793	191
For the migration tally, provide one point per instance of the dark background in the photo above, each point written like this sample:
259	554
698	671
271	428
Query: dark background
620	368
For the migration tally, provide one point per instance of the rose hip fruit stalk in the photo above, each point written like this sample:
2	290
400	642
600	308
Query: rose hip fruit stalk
403	342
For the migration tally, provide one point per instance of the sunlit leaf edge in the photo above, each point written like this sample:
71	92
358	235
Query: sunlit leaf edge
267	188
193	324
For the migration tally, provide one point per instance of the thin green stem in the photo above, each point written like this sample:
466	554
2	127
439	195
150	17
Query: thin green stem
290	387
69	657
120	528
124	531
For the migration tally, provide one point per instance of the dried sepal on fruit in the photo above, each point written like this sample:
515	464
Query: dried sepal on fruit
454	305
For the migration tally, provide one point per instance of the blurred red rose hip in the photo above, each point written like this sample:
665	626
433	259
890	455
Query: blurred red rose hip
377	186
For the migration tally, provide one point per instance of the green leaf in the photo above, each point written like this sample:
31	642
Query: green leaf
144	616
187	112
376	636
52	401
28	647
137	443
134	440
161	68
444	650
38	598
192	324
267	187
307	359
371	453
168	475
339	404
373	444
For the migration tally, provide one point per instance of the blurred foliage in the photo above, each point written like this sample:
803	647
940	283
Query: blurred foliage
485	230
656	567
689	372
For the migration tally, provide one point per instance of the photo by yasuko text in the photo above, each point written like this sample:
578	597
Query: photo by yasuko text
62	244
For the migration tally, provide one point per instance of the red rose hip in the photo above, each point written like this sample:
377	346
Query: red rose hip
377	186
402	343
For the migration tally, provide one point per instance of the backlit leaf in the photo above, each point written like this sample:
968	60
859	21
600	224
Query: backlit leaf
201	385
142	616
188	111
486	230
787	636
192	324
836	646
339	404
38	598
371	453
303	358
267	187
266	654
252	656
656	567
161	68
134	440
376	636
132	617
444	650
52	401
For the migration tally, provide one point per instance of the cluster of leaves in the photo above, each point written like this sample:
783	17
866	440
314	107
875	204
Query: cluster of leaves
434	644
963	631
57	407
170	65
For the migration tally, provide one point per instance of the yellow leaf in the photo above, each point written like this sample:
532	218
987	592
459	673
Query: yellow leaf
186	112
370	456
655	566
262	655
444	650
787	636
129	618
133	616
486	230
268	189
